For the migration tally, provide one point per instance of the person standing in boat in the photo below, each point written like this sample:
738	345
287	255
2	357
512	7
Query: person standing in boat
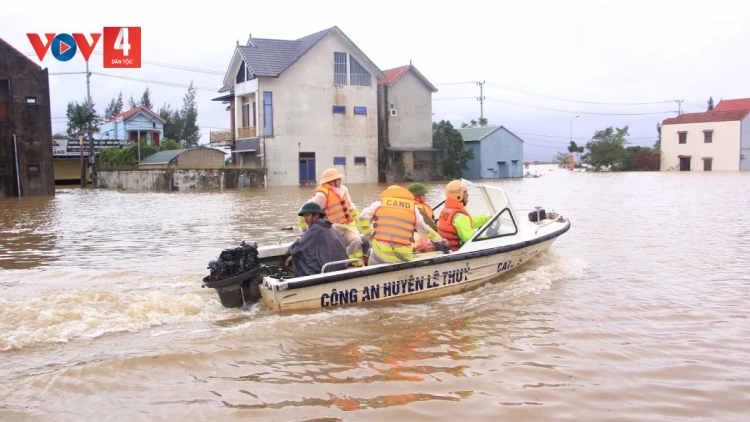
420	196
333	197
455	223
395	218
319	245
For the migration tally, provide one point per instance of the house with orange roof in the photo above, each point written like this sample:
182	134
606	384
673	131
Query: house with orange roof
715	140
297	107
405	120
134	124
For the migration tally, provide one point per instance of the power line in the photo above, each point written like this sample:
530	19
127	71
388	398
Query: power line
496	85
174	84
574	111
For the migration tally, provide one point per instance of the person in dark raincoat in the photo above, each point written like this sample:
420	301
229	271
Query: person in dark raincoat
319	245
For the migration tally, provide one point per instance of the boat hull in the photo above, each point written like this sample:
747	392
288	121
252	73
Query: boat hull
425	278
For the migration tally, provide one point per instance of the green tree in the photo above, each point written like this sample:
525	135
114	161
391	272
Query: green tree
114	108
82	119
561	159
607	150
167	144
189	116
483	121
657	144
125	157
173	125
455	157
710	103
146	99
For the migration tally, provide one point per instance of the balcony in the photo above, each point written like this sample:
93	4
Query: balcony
220	138
246	132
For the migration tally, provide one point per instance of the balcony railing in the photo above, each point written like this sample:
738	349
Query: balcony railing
246	132
220	138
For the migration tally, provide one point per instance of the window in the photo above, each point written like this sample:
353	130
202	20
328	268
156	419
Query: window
360	160
4	100
31	100
339	160
360	110
707	163
245	112
682	137
503	225
708	136
267	114
359	75
241	73
339	68
33	168
339	109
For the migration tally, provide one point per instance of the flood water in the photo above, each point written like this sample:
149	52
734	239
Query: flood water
640	312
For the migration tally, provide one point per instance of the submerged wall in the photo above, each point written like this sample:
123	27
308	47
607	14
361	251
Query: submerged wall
181	179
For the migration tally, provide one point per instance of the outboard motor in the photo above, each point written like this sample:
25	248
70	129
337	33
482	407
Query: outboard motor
235	275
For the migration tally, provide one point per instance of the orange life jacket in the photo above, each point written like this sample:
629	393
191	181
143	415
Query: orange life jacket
394	220
427	210
337	208
446	228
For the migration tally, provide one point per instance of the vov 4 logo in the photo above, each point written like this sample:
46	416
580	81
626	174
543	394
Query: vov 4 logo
122	46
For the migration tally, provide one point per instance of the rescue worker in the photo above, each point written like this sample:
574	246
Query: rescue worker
420	196
319	245
333	198
455	223
395	218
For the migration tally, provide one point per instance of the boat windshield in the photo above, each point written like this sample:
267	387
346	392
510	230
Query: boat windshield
492	201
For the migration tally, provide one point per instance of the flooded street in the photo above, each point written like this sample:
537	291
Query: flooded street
640	312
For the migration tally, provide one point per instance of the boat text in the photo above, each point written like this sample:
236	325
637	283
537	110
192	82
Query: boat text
410	284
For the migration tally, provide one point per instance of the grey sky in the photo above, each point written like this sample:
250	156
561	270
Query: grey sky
542	62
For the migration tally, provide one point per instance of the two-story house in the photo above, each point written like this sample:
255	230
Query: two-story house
26	167
715	140
134	124
498	152
297	107
405	122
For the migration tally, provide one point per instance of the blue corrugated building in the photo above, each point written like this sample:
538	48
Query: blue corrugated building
498	153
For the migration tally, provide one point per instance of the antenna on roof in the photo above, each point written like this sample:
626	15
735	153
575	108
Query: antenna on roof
250	40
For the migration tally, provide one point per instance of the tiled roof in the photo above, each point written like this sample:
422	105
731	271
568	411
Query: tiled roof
126	115
708	116
391	75
268	57
738	104
477	133
163	157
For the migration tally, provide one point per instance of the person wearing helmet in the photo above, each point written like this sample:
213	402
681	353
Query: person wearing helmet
420	196
333	198
455	223
319	245
395	219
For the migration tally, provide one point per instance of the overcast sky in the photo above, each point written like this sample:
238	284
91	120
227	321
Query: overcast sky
543	62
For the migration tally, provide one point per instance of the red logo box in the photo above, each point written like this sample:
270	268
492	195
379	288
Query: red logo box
122	47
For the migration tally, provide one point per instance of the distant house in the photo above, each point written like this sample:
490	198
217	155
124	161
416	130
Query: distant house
498	153
405	122
26	167
193	158
715	140
297	107
133	125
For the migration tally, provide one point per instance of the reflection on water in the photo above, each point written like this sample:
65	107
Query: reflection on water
639	312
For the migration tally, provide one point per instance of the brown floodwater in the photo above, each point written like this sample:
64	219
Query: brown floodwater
640	312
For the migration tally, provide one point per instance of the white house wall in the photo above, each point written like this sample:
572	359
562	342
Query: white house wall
412	126
745	144
724	148
303	121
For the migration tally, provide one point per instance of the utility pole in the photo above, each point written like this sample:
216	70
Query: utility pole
92	163
679	106
83	163
481	99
